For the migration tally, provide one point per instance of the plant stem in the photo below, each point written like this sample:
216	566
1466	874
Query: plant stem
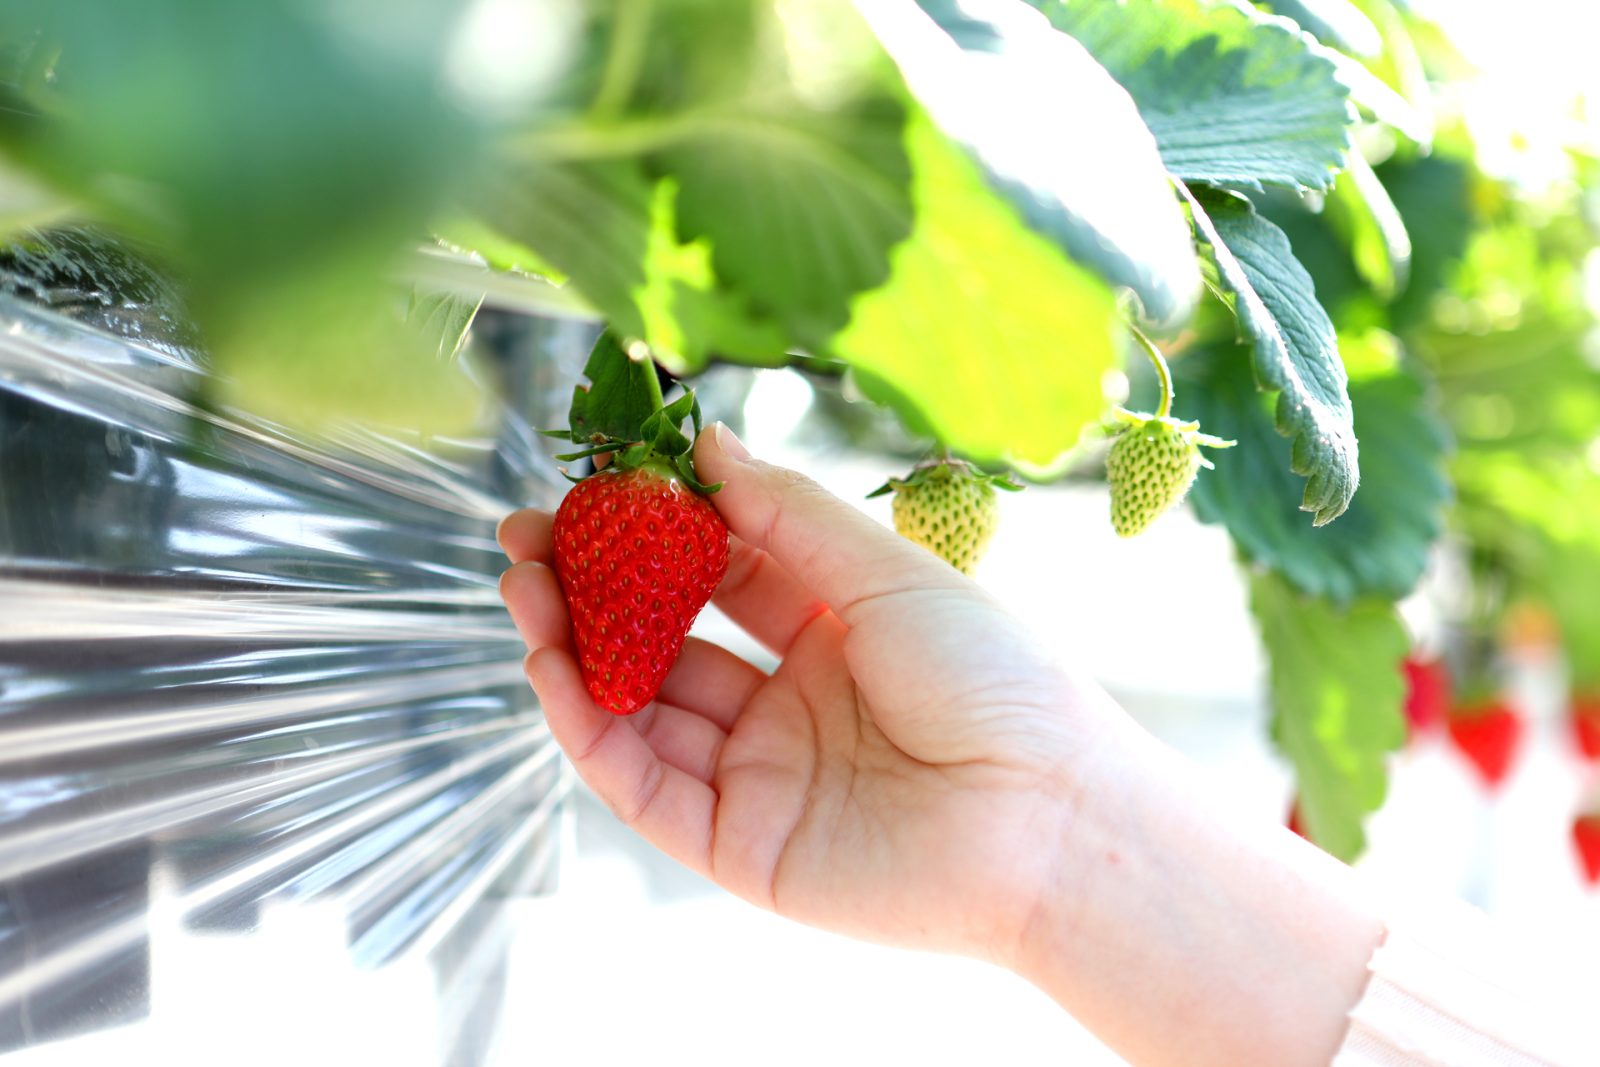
1163	372
630	31
590	137
651	378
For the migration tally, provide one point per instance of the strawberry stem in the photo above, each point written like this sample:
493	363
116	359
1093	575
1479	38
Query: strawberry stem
1163	372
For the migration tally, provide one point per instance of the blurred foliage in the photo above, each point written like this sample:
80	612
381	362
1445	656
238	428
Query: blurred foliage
957	206
1334	680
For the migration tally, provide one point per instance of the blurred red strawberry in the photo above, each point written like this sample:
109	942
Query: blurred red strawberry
1293	821
1586	838
1427	694
1488	734
1586	724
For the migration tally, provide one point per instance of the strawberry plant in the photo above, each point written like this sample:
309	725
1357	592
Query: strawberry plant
975	214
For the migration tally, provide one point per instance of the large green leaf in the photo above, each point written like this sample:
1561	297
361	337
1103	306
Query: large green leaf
1434	196
608	227
800	205
1398	62
279	165
1231	94
1337	23
1296	350
1335	687
985	333
1381	545
248	138
590	220
993	74
724	194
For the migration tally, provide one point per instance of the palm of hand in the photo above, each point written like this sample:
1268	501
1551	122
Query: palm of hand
884	780
850	800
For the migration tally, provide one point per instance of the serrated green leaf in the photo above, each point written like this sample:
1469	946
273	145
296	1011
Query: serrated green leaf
1335	687
1337	23
1398	63
1296	351
688	316
664	435
1382	544
1088	176
608	227
985	333
1374	97
621	397
1231	94
590	220
800	205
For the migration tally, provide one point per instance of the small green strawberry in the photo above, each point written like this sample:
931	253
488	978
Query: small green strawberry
1151	466
948	506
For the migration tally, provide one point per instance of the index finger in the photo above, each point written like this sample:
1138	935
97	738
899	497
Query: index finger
526	535
832	549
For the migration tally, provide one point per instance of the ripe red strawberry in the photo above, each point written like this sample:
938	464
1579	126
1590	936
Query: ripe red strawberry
639	555
1488	734
1586	724
1586	839
638	548
1294	821
1427	694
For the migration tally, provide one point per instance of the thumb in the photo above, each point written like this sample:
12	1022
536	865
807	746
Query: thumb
833	549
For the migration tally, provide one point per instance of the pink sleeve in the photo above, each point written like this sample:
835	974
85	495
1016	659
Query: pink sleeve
1447	991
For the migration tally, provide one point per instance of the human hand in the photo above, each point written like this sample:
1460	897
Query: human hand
892	779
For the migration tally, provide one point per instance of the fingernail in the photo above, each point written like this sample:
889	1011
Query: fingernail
729	444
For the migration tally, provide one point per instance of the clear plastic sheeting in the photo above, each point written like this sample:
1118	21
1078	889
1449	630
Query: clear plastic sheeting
268	764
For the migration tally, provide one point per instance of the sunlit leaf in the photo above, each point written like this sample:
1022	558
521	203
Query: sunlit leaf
1296	350
1336	23
1380	546
985	333
1231	94
1088	176
1360	209
1335	687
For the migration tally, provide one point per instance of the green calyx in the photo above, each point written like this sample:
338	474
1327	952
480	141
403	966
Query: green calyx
1125	421
946	468
621	413
948	506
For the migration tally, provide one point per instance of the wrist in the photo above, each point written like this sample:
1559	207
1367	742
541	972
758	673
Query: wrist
1180	934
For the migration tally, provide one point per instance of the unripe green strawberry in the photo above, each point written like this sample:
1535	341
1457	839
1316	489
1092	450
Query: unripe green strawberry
948	506
1151	466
